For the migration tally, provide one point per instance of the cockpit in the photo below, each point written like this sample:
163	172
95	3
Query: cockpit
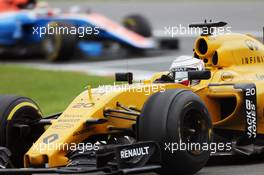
182	71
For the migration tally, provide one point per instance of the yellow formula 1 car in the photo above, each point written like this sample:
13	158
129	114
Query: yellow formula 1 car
172	122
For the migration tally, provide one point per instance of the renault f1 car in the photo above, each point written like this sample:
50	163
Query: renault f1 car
136	127
28	28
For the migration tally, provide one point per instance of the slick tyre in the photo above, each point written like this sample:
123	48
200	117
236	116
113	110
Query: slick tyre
16	113
59	47
173	117
138	24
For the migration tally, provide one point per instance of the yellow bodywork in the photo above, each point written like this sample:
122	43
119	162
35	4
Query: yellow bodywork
240	59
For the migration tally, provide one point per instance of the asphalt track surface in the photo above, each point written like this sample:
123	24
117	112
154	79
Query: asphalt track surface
241	16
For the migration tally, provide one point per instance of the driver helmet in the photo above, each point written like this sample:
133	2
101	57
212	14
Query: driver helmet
182	64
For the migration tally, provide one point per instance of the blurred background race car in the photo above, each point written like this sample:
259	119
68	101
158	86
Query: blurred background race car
31	28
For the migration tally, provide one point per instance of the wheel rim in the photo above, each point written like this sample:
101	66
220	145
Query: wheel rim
49	45
195	131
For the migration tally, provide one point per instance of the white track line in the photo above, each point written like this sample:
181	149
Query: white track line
94	70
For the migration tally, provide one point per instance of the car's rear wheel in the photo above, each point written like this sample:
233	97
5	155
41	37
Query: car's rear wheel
138	24
16	113
58	45
173	118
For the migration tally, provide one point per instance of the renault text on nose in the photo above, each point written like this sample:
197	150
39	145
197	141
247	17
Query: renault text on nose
127	153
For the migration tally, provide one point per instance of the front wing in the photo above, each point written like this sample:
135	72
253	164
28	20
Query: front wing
119	159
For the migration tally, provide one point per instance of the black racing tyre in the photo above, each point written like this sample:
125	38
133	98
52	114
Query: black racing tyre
138	24
15	114
173	117
59	46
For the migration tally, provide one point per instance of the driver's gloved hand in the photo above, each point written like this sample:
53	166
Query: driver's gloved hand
164	79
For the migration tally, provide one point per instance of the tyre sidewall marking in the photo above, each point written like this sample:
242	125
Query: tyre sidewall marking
20	105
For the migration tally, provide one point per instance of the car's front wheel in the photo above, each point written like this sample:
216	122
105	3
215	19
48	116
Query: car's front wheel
16	113
57	44
176	119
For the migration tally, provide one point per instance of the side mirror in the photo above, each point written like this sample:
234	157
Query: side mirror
199	75
128	76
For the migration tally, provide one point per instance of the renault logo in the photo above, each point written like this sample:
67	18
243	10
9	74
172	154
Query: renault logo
50	138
